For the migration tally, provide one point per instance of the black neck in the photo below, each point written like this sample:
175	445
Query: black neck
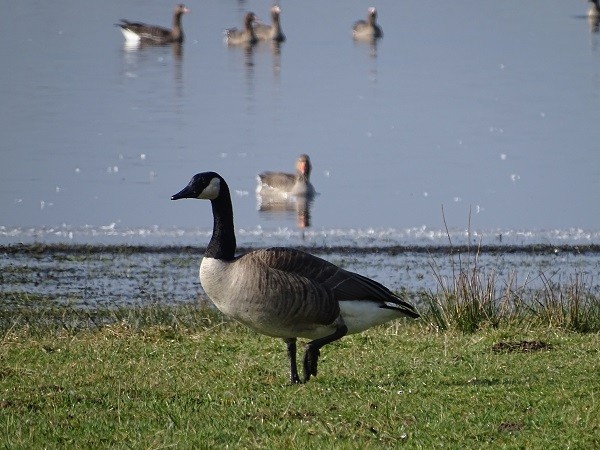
222	243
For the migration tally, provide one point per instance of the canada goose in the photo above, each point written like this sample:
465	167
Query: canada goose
289	183
270	32
233	36
137	32
367	29
282	292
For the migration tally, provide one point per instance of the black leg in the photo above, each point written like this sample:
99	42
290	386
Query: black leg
312	352
291	349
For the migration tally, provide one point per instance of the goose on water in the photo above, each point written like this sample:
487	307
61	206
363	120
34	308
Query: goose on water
137	32
286	293
289	183
270	32
245	36
367	29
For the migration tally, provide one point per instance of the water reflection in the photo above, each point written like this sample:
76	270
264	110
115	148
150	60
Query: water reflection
594	23
137	53
274	205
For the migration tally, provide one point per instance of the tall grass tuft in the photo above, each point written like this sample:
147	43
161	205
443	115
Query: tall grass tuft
471	299
468	299
571	306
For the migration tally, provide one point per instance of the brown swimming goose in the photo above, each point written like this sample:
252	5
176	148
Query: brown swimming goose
288	183
367	29
270	32
246	36
137	32
286	293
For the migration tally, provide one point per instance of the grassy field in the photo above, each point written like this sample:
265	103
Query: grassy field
185	378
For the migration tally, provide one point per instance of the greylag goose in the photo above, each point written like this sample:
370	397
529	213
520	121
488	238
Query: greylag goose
246	36
367	29
286	293
137	32
270	32
289	183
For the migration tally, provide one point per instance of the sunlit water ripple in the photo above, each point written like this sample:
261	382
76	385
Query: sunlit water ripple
258	236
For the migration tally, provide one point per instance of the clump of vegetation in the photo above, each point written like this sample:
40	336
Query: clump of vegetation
473	298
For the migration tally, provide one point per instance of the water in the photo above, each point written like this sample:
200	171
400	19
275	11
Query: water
105	277
489	109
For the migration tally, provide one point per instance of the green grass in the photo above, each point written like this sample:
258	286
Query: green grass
183	377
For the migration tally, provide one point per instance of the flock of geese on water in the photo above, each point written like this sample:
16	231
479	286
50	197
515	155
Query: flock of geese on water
282	292
252	32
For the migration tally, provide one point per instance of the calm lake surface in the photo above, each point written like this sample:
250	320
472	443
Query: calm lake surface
489	109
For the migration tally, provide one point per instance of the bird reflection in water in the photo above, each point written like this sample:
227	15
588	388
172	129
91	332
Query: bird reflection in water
137	54
276	205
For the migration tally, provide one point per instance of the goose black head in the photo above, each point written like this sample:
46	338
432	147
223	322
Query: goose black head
205	185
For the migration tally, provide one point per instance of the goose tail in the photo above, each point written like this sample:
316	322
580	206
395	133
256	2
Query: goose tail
403	307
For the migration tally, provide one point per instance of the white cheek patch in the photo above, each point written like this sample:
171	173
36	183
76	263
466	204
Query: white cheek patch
211	191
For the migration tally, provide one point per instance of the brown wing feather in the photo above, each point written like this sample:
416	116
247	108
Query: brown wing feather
342	284
278	180
146	31
301	299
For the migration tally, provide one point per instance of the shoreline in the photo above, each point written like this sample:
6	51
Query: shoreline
392	250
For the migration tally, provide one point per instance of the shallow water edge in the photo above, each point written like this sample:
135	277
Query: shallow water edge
105	276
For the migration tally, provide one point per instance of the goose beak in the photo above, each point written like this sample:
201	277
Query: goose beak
186	192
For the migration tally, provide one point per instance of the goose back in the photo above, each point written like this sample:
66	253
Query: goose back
154	34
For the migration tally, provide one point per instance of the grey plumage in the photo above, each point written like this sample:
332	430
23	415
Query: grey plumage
271	32
367	29
297	183
245	36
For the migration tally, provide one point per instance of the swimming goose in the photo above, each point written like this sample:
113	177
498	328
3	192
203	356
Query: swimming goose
289	183
286	293
233	36
137	32
367	29
270	32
